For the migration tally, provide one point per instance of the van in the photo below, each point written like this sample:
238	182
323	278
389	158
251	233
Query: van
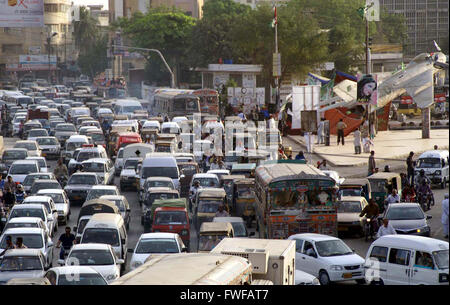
72	143
435	165
127	107
162	165
107	228
79	111
407	260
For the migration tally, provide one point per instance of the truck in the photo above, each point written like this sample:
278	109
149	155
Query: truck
272	259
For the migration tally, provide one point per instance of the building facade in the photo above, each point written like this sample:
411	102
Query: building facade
426	20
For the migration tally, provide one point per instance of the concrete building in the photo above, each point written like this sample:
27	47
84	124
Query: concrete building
101	15
426	20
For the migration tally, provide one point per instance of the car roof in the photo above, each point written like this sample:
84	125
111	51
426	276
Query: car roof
434	154
104	187
24	220
50	191
25	162
97	160
313	237
77	137
15	149
158	235
22	252
39	198
91	246
45	181
161	189
83	173
28	206
411	241
203	175
112	197
14	231
228	219
62	270
159	179
351	198
25	141
403	204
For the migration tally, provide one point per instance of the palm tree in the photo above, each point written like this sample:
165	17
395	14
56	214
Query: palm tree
86	31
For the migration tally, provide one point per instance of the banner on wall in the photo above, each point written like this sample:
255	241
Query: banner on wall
21	13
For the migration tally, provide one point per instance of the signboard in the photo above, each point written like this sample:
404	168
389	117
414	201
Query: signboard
33	63
439	97
34	50
21	13
406	100
309	120
367	90
220	79
303	98
248	80
260	95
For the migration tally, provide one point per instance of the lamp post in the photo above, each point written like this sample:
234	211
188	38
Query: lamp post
49	38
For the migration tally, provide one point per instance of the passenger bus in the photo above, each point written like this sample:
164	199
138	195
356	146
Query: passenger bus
175	102
293	198
209	100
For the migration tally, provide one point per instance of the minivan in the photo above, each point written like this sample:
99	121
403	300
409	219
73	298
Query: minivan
127	107
435	165
107	228
159	165
407	260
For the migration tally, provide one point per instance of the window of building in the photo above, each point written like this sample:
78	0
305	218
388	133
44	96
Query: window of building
12	48
51	8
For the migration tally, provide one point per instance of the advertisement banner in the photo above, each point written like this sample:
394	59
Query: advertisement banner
367	90
21	13
36	62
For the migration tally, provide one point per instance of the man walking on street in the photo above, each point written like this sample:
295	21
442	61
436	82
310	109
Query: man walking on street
410	168
444	217
357	141
340	126
386	229
372	164
320	132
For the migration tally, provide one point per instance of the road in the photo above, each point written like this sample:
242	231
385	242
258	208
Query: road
136	229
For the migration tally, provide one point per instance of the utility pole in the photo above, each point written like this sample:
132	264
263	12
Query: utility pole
49	39
276	59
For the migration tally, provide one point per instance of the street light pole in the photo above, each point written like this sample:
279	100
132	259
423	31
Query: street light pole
172	82
49	39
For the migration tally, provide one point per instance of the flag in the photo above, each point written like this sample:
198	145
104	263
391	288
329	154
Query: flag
275	20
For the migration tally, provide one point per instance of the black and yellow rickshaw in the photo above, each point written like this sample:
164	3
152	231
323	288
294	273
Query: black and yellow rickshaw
381	185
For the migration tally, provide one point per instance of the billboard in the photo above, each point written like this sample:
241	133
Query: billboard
34	63
367	90
21	13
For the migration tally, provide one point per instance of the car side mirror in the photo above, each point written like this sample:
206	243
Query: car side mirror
429	216
120	261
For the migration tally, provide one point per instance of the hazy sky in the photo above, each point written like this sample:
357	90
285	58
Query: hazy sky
89	2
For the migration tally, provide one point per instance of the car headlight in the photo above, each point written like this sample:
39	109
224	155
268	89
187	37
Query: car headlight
336	268
136	264
111	277
423	229
437	172
315	281
184	232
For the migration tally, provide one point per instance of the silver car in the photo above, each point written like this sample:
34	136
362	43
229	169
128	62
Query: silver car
50	147
22	263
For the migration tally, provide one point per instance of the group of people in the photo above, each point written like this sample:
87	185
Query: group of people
10	192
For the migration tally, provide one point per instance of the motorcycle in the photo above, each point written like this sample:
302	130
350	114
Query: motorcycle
369	228
426	201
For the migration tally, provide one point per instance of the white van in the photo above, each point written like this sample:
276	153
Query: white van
407	260
127	107
435	165
72	143
77	111
159	165
107	228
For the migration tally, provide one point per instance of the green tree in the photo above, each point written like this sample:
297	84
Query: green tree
86	31
93	60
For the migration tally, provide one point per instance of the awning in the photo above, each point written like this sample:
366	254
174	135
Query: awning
321	79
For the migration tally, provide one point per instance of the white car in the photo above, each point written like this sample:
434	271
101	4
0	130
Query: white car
33	238
99	190
31	210
303	278
118	164
61	201
179	119
42	162
334	175
327	258
155	243
49	205
22	263
65	275
128	175
34	133
25	222
31	146
50	146
206	180
99	257
152	125
21	168
103	168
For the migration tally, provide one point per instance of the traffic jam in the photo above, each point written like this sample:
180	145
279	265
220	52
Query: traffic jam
122	191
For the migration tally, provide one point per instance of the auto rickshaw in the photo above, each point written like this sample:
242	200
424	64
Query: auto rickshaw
119	117
207	203
188	169
211	233
381	185
244	199
356	187
149	134
227	182
246	169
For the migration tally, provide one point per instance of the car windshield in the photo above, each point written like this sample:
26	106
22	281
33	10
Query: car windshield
46	141
332	248
23	169
82	179
404	213
157	245
14	155
81	225
27	213
21	263
349	207
429	163
208	242
119	204
100	235
97	193
94	167
131	164
350	192
168	184
65	128
208	182
71	146
86	155
92	257
21	225
188	170
37	133
32	241
207	206
239	229
170	172
245	192
170	218
45	185
27	146
97	137
82	279
153	196
130	109
120	154
441	258
41	162
31	178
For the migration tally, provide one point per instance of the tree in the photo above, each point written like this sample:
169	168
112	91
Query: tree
86	30
165	29
93	60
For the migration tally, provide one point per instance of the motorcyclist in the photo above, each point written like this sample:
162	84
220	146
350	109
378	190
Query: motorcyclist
194	189
20	194
423	192
421	177
371	211
67	240
61	171
393	197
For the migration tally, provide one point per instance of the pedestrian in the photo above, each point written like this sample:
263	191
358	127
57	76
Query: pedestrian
444	217
408	193
393	197
410	167
372	164
386	229
8	198
10	184
19	243
435	147
320	132
300	156
357	141
340	126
